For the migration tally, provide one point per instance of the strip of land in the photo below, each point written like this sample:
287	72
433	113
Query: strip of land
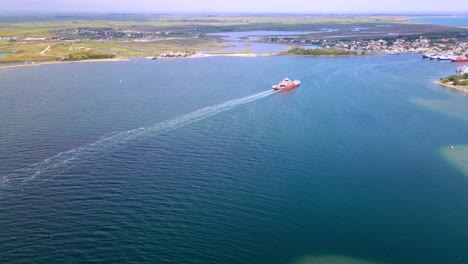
452	86
14	65
27	39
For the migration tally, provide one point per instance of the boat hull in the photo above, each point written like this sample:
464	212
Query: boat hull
289	86
460	60
444	58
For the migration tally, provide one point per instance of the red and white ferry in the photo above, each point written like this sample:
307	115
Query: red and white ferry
286	84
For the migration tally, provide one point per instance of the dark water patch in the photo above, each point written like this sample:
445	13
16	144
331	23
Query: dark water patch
63	161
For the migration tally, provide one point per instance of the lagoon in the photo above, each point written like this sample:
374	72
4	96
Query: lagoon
242	41
254	35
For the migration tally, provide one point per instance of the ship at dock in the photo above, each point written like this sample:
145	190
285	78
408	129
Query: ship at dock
442	57
286	84
430	56
465	59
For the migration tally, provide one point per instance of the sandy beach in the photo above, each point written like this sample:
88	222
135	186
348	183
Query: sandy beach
14	65
204	55
59	62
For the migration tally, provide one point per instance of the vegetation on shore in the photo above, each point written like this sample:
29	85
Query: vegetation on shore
458	80
94	49
89	56
320	52
47	37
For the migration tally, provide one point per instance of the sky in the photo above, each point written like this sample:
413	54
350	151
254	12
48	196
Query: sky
255	6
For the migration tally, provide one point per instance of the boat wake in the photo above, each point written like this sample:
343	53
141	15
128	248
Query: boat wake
56	165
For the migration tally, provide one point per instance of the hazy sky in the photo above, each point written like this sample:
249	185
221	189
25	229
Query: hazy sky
295	6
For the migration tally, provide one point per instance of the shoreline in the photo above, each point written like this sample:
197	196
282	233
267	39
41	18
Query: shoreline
325	56
201	55
13	65
455	87
205	55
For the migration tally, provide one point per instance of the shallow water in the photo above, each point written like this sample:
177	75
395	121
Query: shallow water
242	40
196	160
236	35
255	47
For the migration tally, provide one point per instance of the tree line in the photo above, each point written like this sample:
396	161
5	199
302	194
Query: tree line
456	79
320	52
90	56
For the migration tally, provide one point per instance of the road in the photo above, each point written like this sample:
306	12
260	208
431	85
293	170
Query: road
46	49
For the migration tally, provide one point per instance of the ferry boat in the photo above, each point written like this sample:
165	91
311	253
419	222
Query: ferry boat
465	59
443	57
286	84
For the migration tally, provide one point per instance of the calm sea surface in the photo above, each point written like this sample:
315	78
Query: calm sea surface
197	161
458	21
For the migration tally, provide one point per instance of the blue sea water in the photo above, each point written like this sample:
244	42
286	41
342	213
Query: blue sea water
458	21
197	161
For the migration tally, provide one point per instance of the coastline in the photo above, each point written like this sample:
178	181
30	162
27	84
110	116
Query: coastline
59	62
455	87
252	55
15	65
206	55
411	20
324	56
200	55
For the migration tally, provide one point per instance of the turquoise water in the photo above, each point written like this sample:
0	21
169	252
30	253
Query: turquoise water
458	21
197	161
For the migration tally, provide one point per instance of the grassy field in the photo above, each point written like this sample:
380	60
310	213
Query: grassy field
31	50
43	25
185	33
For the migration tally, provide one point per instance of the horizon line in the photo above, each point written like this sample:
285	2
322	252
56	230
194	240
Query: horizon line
2	12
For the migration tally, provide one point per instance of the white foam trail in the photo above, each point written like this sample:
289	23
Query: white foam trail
63	161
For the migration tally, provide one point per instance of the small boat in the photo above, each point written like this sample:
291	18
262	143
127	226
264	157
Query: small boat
393	53
427	56
465	59
286	84
442	57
